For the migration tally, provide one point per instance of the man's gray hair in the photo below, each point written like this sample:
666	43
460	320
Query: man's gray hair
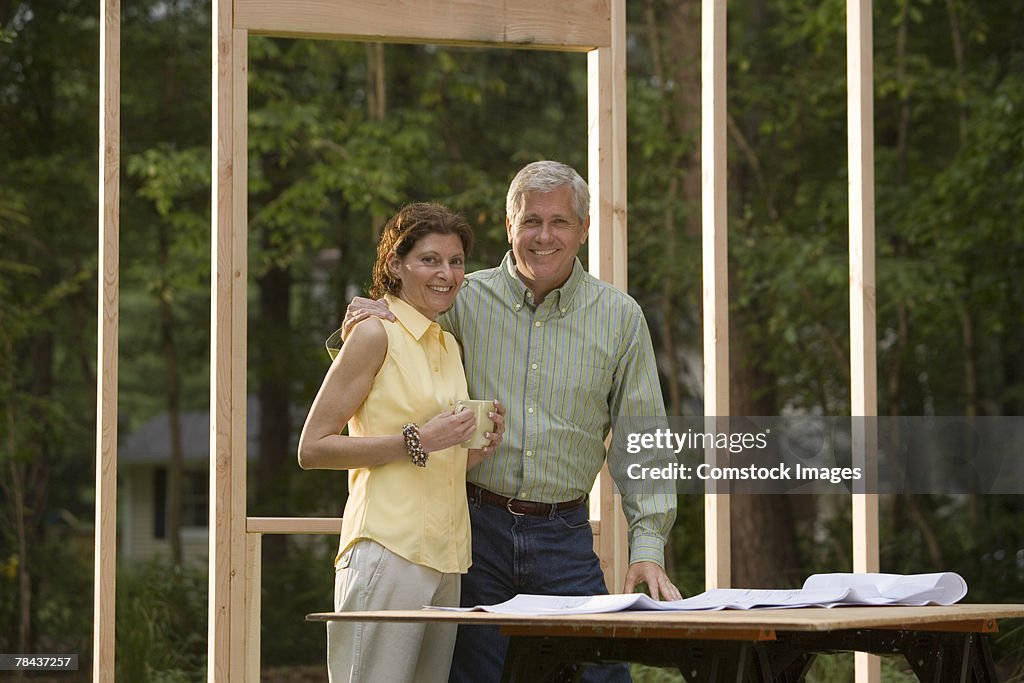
545	176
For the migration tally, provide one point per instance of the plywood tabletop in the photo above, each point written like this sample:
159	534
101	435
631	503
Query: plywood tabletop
967	617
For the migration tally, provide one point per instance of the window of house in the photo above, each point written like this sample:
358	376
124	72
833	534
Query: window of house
195	500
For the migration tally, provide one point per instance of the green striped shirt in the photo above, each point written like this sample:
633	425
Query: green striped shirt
564	370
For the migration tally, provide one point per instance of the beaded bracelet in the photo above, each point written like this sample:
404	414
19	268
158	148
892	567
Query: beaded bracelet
411	432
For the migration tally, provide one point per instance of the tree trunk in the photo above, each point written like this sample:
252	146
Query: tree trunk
961	80
275	380
685	55
26	479
376	106
168	346
903	132
922	521
970	402
14	493
176	466
763	538
764	548
683	170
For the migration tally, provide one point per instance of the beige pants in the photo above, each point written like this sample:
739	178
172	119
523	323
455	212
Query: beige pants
370	577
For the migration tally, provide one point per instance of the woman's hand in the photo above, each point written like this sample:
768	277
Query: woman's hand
446	430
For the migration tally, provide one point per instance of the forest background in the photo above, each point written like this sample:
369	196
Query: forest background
341	134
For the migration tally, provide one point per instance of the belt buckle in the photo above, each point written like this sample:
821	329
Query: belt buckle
508	506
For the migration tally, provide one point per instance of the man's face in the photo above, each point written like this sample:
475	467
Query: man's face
545	238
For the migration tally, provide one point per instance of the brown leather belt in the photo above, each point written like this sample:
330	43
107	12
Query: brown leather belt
522	507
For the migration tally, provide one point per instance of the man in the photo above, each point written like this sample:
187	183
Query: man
566	354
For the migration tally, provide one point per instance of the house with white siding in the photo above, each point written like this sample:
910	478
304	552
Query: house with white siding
144	457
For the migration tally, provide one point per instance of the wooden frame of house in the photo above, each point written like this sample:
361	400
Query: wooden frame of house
596	27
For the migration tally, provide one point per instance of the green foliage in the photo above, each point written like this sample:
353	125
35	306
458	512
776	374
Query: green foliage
686	550
161	609
62	605
325	168
292	589
165	205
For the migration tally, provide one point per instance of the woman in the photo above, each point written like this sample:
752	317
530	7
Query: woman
405	535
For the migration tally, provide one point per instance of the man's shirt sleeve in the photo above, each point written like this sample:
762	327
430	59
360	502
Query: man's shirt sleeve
636	402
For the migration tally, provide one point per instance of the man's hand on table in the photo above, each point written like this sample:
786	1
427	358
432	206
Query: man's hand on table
658	583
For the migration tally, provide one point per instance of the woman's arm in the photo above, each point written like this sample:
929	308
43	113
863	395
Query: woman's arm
345	387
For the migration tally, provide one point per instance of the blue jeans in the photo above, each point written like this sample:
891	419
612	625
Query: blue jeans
524	554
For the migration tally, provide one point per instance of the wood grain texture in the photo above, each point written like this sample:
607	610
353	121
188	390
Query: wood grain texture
219	655
105	541
606	174
714	245
863	362
238	389
690	623
860	149
537	24
293	525
600	166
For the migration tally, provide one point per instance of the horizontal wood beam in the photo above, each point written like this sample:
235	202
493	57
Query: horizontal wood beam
306	525
293	525
534	24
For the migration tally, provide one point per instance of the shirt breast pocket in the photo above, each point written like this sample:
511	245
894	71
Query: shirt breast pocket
591	386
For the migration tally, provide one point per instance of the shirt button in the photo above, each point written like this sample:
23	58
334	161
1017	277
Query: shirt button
537	324
529	453
530	410
562	309
522	494
518	306
533	366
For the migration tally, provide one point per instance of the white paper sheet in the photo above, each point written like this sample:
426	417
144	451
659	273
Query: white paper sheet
941	588
819	590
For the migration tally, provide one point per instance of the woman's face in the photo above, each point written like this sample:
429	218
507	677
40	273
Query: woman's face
431	273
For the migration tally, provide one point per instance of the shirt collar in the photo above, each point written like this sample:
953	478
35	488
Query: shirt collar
562	295
412	320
